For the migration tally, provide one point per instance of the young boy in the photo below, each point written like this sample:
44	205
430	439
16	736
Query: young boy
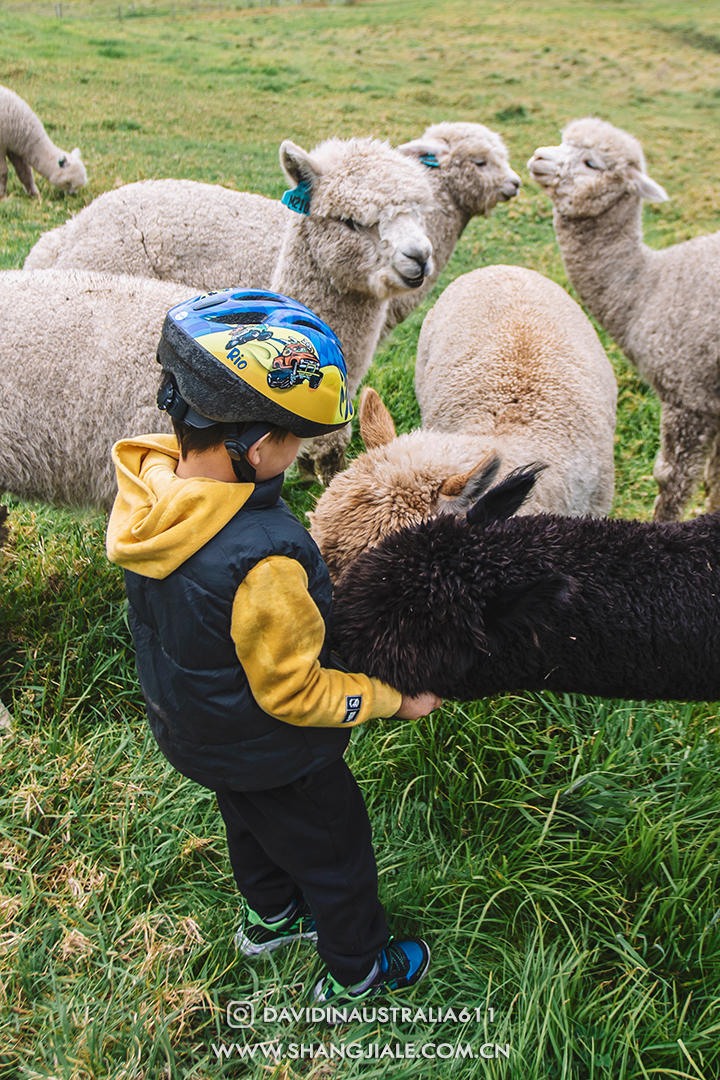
229	608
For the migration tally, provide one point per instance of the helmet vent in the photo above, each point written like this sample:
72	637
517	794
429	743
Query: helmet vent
312	325
262	298
239	318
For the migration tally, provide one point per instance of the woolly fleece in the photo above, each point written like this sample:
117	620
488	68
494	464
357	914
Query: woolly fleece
362	242
662	307
472	176
77	373
26	144
508	365
620	609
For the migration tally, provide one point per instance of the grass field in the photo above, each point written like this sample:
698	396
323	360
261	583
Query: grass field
560	854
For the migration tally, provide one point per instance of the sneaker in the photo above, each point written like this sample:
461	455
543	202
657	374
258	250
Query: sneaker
256	935
399	965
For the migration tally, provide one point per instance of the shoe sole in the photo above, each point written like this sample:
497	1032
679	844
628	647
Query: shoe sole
254	948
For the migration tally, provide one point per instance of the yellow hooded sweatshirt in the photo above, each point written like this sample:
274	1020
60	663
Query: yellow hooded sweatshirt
159	520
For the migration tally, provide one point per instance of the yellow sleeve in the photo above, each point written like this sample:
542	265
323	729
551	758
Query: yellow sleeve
278	633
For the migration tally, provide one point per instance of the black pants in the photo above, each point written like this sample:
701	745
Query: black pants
312	836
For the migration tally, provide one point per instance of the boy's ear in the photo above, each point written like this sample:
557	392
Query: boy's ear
253	452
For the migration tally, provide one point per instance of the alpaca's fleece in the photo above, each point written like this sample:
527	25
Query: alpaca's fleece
363	242
77	372
612	608
26	144
592	168
508	367
365	232
201	235
472	175
662	307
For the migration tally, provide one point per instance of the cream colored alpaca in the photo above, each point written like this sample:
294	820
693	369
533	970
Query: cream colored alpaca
77	372
362	242
509	371
25	143
470	174
662	307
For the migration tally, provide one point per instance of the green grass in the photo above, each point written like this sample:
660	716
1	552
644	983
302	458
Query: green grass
559	853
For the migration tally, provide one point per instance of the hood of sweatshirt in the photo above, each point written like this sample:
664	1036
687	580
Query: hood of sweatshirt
159	520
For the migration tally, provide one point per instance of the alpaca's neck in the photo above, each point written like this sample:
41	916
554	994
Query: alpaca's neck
356	318
608	264
42	154
445	224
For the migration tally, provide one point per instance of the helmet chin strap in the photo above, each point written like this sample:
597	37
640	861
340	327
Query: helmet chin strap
243	470
237	446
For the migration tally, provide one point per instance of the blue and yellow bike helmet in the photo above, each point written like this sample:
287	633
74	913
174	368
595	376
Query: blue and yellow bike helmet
245	355
249	357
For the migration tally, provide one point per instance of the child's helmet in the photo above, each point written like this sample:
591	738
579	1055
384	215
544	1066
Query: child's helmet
244	355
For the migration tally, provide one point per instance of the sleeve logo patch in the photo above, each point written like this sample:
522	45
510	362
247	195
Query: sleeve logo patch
353	704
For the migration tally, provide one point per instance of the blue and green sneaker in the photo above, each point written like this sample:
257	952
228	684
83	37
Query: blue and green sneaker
256	936
400	964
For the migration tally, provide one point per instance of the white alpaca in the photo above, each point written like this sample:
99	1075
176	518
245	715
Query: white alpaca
362	241
662	307
77	372
509	372
468	167
25	143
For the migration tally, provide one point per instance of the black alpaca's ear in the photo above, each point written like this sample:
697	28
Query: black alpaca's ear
528	605
506	498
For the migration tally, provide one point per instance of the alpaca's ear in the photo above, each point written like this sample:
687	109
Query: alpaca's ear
434	151
376	423
527	606
297	164
460	491
75	153
644	186
507	497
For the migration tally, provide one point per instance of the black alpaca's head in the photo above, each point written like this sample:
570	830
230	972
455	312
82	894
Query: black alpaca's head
423	609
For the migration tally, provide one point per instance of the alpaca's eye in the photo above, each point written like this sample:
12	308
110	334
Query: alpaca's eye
480	163
350	224
591	164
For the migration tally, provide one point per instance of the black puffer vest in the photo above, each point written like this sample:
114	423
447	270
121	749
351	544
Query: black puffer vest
200	707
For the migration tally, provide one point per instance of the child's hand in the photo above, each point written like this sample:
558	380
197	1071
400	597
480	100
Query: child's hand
412	708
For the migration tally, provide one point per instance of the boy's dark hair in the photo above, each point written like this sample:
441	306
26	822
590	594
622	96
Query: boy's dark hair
196	440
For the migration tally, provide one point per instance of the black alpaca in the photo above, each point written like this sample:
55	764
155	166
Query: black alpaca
619	609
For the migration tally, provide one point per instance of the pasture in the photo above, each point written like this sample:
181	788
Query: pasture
559	854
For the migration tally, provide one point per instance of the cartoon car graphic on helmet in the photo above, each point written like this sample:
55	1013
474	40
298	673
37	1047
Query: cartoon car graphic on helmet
261	332
295	364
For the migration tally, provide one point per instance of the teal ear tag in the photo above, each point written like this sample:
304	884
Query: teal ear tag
298	199
429	161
